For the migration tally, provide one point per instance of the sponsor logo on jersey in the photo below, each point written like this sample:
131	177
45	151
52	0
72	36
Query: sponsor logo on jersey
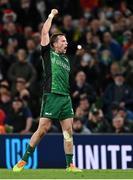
62	64
48	113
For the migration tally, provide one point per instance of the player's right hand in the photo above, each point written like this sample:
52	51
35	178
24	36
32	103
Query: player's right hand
54	12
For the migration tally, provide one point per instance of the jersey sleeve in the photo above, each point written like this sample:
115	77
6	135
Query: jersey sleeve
45	50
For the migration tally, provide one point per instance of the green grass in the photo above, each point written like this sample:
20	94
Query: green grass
61	174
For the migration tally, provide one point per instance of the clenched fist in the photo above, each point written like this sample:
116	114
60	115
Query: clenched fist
54	12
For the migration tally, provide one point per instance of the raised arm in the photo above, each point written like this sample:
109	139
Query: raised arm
46	27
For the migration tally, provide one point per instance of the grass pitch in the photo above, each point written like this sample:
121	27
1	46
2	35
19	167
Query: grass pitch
62	174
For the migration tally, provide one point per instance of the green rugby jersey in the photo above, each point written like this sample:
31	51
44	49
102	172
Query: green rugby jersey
56	69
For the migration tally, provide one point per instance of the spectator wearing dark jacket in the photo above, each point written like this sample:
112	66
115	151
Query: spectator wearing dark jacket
13	36
20	117
5	102
81	89
69	31
26	13
97	122
22	69
118	92
112	45
79	127
33	57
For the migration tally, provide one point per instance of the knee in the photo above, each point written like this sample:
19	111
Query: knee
42	131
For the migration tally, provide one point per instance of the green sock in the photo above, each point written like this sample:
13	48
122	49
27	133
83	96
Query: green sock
69	159
28	153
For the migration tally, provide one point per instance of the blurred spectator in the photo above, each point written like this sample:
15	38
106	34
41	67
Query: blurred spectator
105	58
22	92
96	122
128	56
118	92
1	75
109	74
80	30
110	44
5	103
118	125
9	16
126	114
89	44
80	113
95	27
19	87
29	98
4	4
2	67
33	56
127	62
82	110
41	7
124	8
22	69
127	40
79	128
20	117
28	32
122	111
84	105
82	89
10	57
6	59
90	67
4	87
36	38
26	13
25	95
89	4
69	31
114	69
75	63
112	112
13	37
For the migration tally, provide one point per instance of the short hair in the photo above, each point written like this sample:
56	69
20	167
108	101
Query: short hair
54	37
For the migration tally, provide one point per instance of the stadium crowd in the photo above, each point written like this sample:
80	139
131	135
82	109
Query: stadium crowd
100	38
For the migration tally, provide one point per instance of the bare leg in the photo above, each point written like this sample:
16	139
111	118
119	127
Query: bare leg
67	132
41	131
68	139
35	139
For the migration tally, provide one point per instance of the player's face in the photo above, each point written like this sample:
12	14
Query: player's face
61	44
